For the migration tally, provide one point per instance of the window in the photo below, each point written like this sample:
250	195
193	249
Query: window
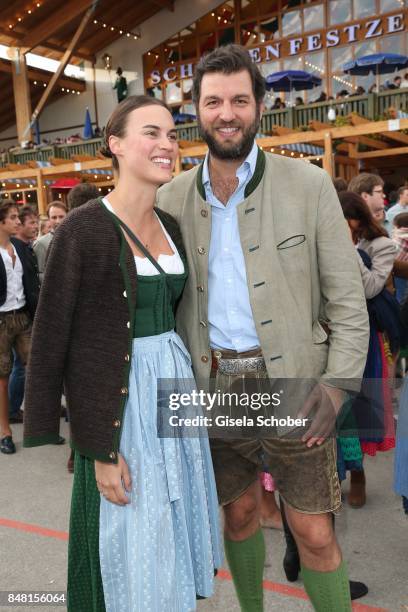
364	8
339	11
391	5
313	18
291	23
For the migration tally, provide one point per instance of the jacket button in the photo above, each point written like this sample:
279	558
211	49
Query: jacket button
203	324
124	390
200	288
204	213
128	324
124	293
116	423
201	250
204	358
112	455
127	357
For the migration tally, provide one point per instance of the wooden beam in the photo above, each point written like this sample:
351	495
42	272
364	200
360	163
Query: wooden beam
22	100
41	195
56	20
167	4
388	153
54	79
12	37
35	74
328	153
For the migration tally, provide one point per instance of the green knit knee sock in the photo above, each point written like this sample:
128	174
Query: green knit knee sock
246	560
328	591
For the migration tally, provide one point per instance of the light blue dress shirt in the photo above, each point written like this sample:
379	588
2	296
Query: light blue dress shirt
230	320
392	212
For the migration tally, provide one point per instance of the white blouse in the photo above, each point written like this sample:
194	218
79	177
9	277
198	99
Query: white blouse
172	264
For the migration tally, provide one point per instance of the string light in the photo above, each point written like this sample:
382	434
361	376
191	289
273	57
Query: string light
29	12
121	31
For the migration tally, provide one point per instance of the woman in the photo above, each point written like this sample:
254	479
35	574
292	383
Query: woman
373	410
143	530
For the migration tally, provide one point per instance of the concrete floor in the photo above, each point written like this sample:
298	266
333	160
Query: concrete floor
36	490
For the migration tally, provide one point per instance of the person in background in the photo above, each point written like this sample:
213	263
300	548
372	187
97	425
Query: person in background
279	103
299	101
120	85
19	289
376	255
26	233
401	206
340	184
81	194
399	237
404	82
371	188
56	212
44	227
322	97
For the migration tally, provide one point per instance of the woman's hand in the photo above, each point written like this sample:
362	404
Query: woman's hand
113	480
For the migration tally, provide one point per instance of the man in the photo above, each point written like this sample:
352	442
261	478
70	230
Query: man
266	240
400	206
56	212
371	188
120	85
19	288
26	233
81	194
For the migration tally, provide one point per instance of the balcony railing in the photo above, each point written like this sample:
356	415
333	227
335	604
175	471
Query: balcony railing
371	106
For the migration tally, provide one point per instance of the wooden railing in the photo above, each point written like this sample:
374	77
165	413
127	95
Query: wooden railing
371	106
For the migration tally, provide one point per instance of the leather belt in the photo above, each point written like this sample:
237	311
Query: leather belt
233	363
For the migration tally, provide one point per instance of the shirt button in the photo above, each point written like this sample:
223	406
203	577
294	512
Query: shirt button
200	288
203	323
201	250
116	423
127	357
124	390
204	358
112	455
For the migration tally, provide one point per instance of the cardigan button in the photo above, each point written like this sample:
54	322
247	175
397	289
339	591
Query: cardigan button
112	455
203	324
200	288
128	324
124	293
124	390
204	213
116	423
127	357
201	250
204	358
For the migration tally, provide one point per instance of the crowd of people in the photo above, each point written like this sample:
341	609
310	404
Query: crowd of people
212	276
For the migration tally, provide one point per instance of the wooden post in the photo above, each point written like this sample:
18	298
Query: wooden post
22	99
41	195
328	153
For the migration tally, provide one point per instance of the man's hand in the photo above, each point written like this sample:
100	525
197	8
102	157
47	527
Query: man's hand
113	480
326	402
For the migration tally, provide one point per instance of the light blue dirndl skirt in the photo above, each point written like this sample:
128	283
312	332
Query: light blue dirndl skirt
160	551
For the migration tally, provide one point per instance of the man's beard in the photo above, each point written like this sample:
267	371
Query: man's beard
240	150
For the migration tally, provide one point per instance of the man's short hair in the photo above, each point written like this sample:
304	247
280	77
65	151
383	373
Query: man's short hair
229	59
365	182
56	204
340	184
24	212
5	206
81	194
401	191
401	220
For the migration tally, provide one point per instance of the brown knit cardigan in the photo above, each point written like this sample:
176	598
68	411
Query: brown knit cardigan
83	332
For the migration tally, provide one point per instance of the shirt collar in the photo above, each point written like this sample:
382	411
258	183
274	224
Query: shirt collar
249	163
